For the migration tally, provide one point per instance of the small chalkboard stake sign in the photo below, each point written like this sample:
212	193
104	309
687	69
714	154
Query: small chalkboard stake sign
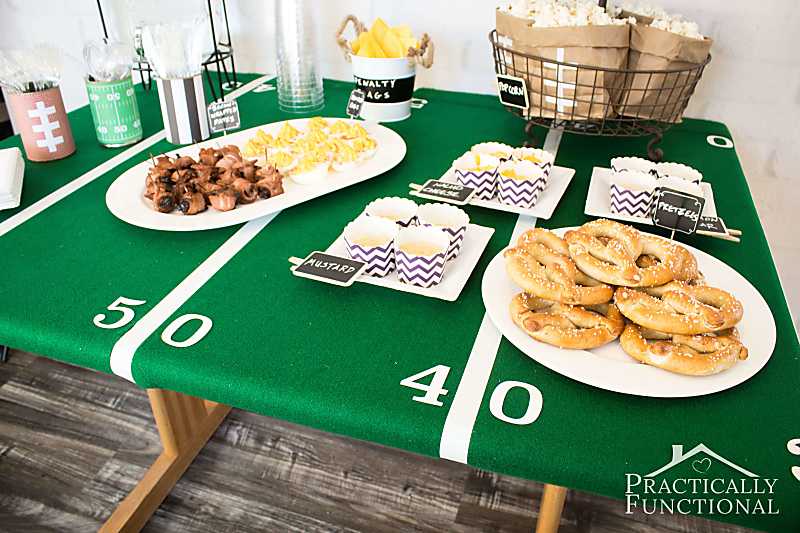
512	91
676	210
444	191
355	103
712	225
328	268
223	116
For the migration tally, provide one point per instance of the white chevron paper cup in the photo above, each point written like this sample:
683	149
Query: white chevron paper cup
521	183
631	193
678	170
501	151
538	157
478	171
371	240
401	211
421	253
632	164
448	218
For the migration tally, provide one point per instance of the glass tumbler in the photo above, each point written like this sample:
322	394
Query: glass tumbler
299	78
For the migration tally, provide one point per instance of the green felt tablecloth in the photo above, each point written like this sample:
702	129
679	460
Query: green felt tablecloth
333	358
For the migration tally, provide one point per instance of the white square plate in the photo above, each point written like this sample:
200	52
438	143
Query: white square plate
456	271
556	186
598	199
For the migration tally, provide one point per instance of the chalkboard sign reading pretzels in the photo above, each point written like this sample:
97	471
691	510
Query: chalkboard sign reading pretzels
676	210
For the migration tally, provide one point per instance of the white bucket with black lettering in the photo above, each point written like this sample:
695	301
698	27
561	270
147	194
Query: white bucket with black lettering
388	86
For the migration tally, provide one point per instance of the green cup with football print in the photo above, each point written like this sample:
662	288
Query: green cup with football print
115	112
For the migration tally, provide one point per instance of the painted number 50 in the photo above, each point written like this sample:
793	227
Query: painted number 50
123	306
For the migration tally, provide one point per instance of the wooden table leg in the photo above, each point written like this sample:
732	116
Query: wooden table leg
184	423
550	509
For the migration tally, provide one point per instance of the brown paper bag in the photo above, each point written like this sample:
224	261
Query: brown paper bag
661	96
564	92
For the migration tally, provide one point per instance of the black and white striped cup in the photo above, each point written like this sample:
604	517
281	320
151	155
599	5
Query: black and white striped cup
183	109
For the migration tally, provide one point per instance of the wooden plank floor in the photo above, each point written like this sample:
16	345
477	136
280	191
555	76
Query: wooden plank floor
74	442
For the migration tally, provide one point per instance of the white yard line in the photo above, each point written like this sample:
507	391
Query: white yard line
61	193
125	348
460	421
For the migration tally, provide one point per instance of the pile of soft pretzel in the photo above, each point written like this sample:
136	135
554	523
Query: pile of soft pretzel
606	280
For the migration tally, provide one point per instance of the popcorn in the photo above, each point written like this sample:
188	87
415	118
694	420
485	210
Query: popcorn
674	24
642	8
558	13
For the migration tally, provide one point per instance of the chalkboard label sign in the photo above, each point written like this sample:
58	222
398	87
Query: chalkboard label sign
512	91
445	191
223	116
391	91
677	210
712	225
355	103
329	268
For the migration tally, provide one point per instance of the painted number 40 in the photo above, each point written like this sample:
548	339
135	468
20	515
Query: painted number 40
123	306
435	389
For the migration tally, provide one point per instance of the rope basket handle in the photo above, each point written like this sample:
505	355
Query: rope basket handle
343	43
422	55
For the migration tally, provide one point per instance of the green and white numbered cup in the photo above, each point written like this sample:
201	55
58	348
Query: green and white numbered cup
115	112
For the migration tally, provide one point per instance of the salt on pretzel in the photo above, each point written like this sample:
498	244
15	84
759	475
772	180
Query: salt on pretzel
693	355
608	251
540	265
680	308
566	326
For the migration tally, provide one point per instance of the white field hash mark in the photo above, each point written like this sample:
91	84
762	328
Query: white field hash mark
45	126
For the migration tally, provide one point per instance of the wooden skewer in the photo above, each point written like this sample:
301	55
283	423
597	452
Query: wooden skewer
735	232
295	260
719	236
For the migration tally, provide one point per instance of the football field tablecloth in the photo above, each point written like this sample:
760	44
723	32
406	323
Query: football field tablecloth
334	358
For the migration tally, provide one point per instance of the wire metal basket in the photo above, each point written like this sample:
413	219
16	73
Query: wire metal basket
599	101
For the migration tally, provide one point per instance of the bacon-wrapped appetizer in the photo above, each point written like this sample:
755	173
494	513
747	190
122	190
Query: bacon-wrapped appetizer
192	203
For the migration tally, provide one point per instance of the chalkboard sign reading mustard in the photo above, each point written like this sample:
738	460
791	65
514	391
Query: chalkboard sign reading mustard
512	91
329	268
223	116
676	210
355	103
453	193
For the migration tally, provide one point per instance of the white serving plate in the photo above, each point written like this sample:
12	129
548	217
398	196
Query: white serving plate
125	197
598	199
609	367
560	178
456	271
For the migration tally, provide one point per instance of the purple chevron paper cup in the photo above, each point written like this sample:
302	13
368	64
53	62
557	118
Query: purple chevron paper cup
421	253
521	183
501	151
631	193
541	158
371	240
478	171
448	218
401	211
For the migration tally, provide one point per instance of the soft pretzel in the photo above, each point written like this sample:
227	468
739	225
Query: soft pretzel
566	326
608	251
540	265
695	355
680	308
